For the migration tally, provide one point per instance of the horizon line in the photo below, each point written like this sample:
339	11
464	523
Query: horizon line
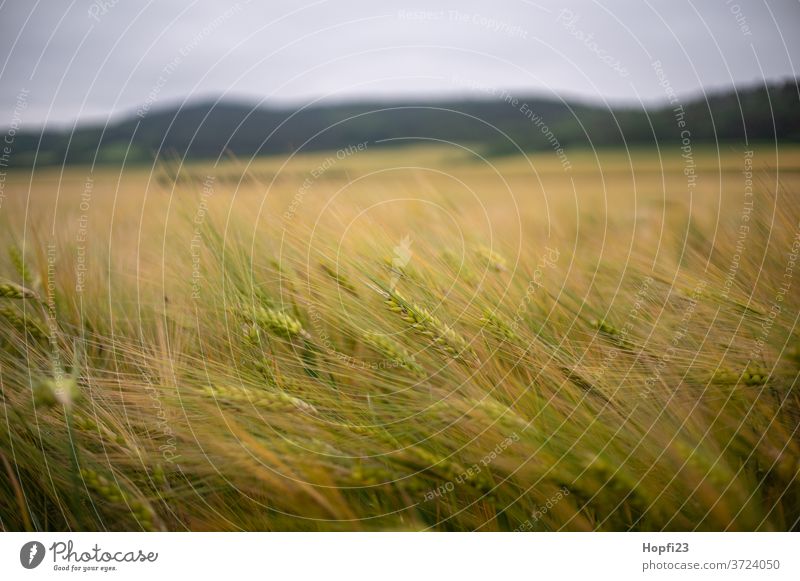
474	94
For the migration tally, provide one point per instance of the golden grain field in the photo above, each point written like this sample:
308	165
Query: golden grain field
404	339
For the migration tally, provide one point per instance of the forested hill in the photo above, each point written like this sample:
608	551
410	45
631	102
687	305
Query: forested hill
494	125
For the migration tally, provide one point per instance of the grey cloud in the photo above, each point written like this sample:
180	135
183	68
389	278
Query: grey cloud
95	59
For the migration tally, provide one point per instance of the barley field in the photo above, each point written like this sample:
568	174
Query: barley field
412	338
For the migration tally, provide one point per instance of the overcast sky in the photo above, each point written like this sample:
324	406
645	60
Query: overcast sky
91	59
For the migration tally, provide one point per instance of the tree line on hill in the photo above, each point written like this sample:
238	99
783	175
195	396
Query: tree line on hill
495	126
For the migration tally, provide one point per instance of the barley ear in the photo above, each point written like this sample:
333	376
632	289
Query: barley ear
10	290
18	260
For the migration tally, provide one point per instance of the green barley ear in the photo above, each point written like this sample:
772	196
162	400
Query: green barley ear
273	400
86	424
340	279
394	352
22	324
280	323
362	475
251	334
18	260
110	491
755	375
499	412
113	493
159	476
724	376
9	290
423	321
498	326
605	327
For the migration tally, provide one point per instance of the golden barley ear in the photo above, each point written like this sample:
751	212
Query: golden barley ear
279	323
394	352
